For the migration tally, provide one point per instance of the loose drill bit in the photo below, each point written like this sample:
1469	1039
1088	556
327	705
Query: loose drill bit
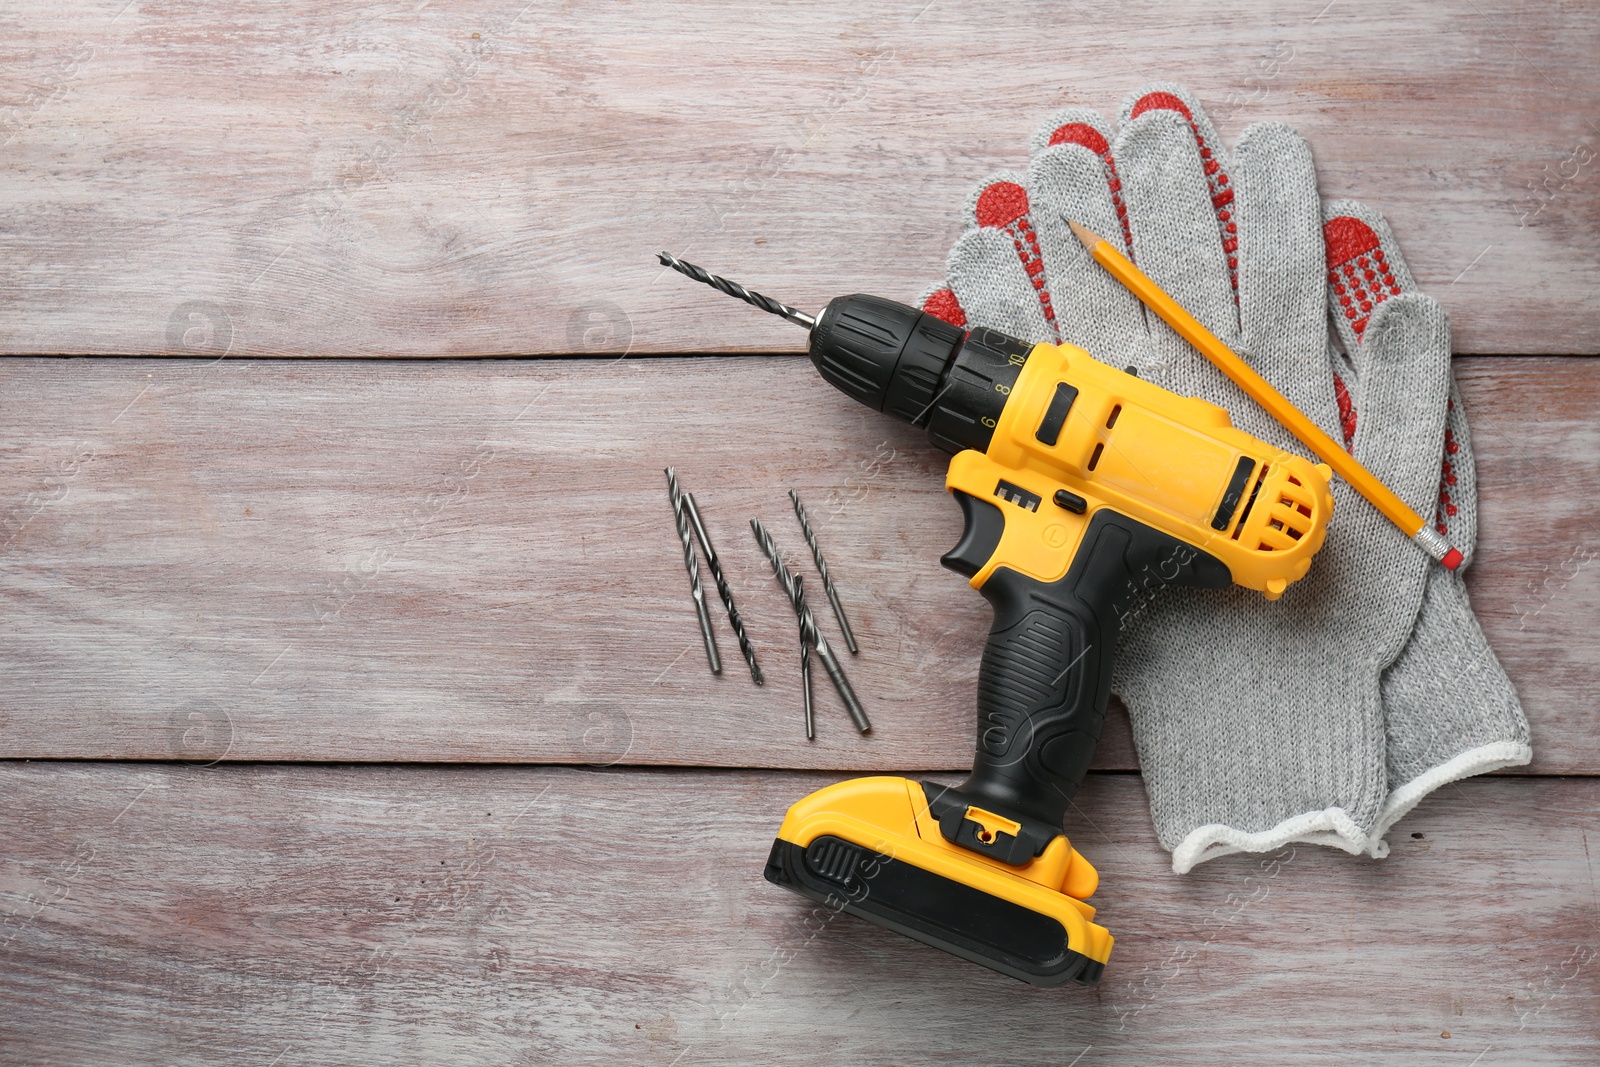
679	513
734	289
715	564
805	660
822	569
808	624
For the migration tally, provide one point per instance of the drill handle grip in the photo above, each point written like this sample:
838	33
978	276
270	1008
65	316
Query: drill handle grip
1046	673
1043	687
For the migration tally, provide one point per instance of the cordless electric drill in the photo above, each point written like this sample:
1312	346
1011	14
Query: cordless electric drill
1084	490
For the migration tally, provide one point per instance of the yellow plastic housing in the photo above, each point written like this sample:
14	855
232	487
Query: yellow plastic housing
890	816
1152	455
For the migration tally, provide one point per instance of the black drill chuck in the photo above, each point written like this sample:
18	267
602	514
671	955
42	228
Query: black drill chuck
920	369
891	357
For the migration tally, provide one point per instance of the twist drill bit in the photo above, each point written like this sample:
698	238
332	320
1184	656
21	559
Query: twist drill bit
693	567
805	661
723	591
808	625
822	569
734	289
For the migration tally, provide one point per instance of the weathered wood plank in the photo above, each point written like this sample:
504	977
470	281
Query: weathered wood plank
492	176
476	561
264	914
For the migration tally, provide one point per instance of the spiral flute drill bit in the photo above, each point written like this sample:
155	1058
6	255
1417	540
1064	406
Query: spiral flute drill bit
679	513
734	289
723	591
822	569
808	626
805	661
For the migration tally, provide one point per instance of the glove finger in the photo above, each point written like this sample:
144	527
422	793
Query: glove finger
1403	369
999	206
1282	295
1174	229
1087	129
993	287
1071	180
1169	96
941	303
1365	267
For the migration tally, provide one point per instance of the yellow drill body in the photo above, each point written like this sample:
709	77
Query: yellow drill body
1166	460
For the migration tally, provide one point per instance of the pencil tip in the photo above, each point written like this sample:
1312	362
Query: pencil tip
1084	234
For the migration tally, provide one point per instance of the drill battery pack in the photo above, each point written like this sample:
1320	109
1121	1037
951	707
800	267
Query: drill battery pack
880	848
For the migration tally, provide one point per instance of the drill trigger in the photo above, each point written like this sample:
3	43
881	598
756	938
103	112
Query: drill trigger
980	536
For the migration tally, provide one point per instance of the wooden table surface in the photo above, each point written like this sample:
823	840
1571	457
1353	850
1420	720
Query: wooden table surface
352	710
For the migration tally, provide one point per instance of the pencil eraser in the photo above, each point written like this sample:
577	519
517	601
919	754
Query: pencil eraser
1452	559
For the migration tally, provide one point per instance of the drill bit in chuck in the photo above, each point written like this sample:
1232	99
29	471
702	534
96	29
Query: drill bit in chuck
745	647
737	291
822	569
808	627
680	514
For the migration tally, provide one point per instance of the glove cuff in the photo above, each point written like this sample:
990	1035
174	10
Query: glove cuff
1480	760
1333	827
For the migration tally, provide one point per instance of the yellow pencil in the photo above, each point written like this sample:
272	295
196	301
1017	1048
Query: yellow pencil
1228	362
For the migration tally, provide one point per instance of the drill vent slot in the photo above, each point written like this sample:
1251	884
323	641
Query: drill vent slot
1015	494
1299	504
1095	459
1288	517
1233	493
1251	503
1112	420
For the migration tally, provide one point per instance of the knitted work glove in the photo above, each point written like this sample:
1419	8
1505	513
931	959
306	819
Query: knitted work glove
1257	723
1450	710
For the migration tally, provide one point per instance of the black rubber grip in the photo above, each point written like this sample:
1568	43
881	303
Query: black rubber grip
1046	673
1044	683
